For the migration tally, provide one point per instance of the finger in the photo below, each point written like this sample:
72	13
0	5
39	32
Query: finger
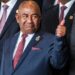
60	34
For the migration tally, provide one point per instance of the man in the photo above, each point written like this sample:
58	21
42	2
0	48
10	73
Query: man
41	51
10	27
52	19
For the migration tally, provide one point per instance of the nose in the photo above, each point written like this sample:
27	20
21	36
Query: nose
29	20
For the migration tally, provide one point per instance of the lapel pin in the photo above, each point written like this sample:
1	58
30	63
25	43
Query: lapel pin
37	38
71	17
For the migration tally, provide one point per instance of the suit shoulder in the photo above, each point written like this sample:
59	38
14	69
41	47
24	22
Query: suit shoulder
49	36
10	39
52	38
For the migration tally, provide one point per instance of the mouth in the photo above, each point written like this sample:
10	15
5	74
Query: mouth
28	26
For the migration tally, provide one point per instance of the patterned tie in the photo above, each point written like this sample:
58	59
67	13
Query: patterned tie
62	13
19	51
3	19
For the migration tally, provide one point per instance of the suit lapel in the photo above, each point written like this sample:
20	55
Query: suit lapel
69	20
56	11
73	36
9	54
12	47
32	43
71	12
56	17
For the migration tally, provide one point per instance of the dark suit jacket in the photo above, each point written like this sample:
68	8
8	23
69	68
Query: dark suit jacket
51	20
34	61
10	28
47	4
72	46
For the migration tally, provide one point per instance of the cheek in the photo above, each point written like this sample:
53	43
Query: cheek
22	22
37	23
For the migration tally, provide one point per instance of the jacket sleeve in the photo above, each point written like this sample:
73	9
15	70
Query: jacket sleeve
58	53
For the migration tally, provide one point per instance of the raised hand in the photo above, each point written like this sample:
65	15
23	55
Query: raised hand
61	29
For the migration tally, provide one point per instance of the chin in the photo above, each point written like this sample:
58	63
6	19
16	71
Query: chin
29	32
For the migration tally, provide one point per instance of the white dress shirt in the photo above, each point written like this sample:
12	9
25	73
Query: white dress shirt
68	5
27	40
10	4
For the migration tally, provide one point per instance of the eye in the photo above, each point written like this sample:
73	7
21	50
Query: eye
24	16
35	16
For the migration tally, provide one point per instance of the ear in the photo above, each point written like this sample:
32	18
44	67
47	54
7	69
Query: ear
17	16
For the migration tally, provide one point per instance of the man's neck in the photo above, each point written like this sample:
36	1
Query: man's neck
64	1
5	1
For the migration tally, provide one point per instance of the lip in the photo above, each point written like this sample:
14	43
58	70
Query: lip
28	25
28	28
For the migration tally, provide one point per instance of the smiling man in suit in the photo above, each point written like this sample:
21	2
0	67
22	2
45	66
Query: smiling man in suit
41	50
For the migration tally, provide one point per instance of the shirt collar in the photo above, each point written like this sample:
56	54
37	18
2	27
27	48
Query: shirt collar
67	4
29	35
10	3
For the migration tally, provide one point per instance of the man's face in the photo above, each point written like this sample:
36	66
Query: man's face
28	19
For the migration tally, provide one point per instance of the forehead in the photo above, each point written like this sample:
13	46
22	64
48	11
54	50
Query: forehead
28	10
29	7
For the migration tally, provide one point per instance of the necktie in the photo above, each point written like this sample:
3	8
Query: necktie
19	51
58	1
62	13
3	19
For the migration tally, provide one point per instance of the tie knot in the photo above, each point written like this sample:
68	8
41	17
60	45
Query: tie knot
63	8
24	36
5	6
